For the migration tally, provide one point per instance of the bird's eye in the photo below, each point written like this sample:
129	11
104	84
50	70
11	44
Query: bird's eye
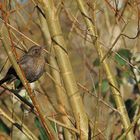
35	51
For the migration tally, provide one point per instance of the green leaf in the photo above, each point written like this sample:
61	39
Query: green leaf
131	108
4	127
126	74
122	53
96	62
105	86
43	135
17	83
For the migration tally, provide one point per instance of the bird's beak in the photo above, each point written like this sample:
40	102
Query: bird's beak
43	47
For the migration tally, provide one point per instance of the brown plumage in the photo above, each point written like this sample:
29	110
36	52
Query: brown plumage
32	63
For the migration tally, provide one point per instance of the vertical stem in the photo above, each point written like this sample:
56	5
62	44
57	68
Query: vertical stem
117	96
63	106
65	67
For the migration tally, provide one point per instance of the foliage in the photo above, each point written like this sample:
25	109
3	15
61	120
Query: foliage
87	34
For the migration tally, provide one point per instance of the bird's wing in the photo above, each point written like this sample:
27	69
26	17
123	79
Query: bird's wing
10	76
24	59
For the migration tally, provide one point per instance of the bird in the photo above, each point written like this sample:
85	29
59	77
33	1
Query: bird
32	63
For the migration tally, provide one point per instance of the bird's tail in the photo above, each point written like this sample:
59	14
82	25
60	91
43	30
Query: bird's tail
8	78
5	79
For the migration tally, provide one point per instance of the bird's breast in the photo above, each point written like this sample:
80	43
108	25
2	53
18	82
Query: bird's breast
35	69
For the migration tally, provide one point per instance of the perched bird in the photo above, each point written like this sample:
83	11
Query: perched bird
32	64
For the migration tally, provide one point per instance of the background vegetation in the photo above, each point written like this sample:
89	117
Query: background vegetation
90	89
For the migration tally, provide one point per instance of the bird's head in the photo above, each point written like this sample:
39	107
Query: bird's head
36	51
